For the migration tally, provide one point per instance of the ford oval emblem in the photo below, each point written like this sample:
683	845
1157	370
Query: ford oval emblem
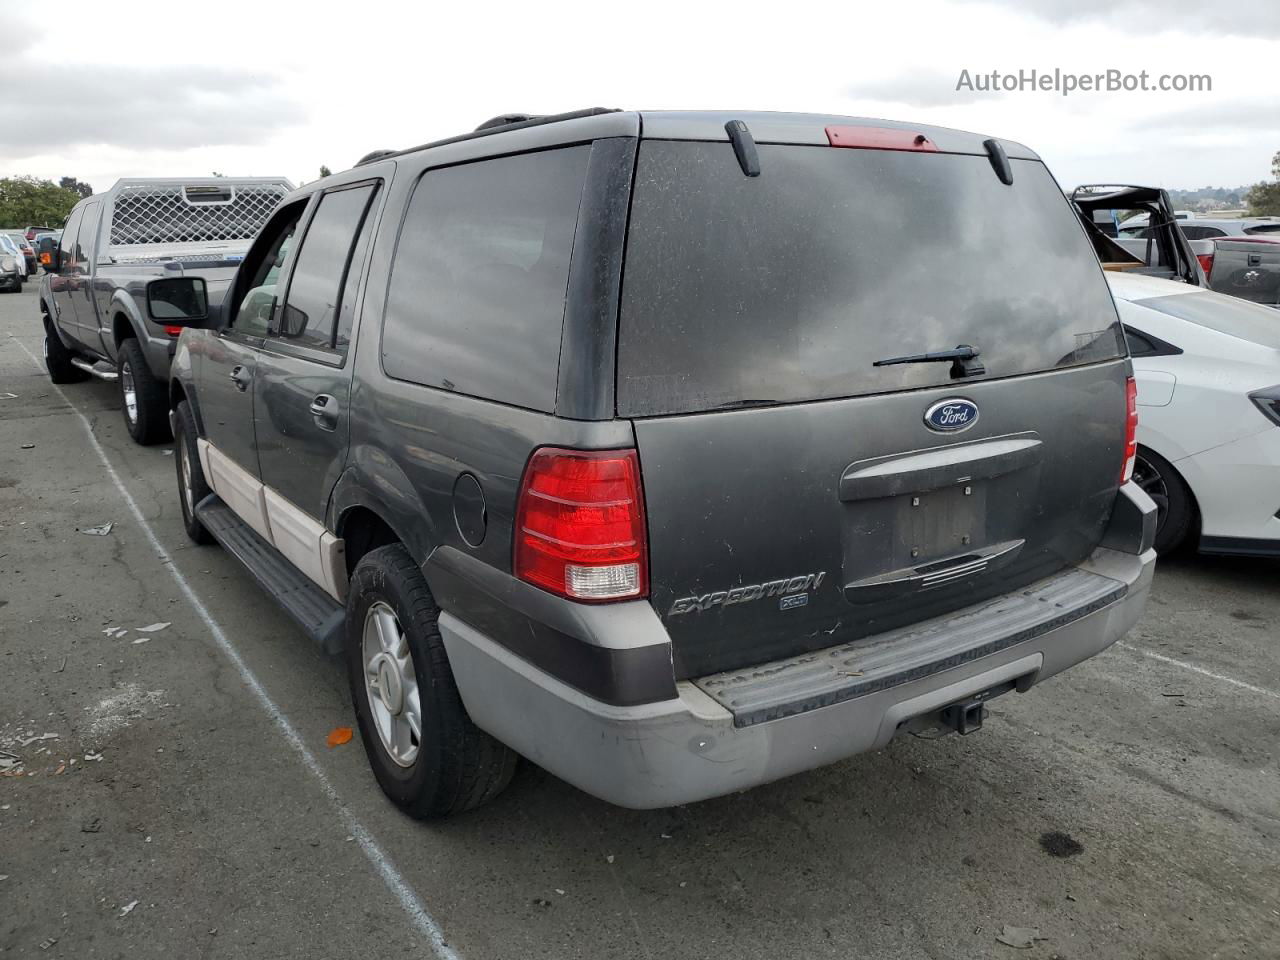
952	415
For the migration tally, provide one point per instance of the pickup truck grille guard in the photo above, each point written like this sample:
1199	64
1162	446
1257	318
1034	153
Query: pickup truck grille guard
161	213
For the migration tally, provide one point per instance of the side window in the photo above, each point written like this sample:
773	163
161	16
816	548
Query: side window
263	264
320	270
67	245
1202	233
88	228
477	294
1138	343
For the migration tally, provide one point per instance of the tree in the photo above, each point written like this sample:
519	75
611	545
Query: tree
28	201
1264	198
325	171
71	183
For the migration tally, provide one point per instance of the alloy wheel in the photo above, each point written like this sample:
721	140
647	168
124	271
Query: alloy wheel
1154	485
391	684
130	392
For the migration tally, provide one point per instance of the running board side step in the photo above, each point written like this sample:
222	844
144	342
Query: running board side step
102	370
321	617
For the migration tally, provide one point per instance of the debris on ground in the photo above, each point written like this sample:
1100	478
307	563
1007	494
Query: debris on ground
1023	938
1059	844
128	908
48	942
9	761
36	739
30	446
541	902
141	640
99	531
93	757
609	858
338	736
8	396
116	632
92	826
152	628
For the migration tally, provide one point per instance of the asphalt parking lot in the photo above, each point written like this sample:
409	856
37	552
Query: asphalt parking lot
175	795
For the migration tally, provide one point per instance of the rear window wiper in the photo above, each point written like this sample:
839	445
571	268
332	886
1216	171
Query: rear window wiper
963	359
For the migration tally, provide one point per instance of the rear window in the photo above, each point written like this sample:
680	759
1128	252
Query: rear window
476	303
788	286
1264	228
1230	315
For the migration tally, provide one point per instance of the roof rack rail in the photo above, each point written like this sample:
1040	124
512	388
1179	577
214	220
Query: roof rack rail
503	119
373	155
498	124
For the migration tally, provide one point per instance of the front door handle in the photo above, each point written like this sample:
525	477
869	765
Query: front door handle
240	376
324	409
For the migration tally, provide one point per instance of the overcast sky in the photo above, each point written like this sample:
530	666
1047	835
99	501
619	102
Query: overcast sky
102	91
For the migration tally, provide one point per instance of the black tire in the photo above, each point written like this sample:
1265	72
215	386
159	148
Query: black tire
456	766
192	486
146	412
57	359
1175	505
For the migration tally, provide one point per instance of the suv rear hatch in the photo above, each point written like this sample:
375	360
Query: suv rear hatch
796	496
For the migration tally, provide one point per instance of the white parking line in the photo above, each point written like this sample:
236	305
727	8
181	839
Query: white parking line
382	863
1200	670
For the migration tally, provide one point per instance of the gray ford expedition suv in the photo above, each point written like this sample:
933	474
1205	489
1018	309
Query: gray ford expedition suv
675	452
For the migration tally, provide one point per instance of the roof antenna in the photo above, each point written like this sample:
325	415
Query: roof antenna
744	147
999	161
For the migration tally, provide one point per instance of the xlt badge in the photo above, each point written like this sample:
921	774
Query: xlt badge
793	591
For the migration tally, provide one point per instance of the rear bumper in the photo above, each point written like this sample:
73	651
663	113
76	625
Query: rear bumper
706	742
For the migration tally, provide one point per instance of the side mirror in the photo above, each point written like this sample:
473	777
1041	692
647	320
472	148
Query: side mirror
178	301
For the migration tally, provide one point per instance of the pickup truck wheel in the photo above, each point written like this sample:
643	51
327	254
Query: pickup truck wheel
192	486
143	398
1175	506
57	359
427	755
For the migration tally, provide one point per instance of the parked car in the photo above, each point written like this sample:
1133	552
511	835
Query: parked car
1163	249
28	253
833	465
1246	265
92	296
31	233
1208	228
12	271
1208	372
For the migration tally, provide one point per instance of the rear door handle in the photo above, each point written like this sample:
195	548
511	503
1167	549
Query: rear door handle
324	409
240	376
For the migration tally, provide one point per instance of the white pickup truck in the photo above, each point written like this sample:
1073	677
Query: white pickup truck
104	313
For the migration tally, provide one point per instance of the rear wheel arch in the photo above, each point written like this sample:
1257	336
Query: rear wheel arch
121	329
362	530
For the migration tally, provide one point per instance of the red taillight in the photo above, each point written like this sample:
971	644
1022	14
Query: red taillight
879	138
172	331
580	528
1206	261
1130	429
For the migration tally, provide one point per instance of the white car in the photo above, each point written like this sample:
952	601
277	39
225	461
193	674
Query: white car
1208	374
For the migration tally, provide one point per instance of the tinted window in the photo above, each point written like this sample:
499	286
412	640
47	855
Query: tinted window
347	305
262	266
1201	233
1137	343
476	302
788	286
1265	228
310	311
67	245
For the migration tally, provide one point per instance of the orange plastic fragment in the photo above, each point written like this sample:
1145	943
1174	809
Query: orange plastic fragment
339	736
